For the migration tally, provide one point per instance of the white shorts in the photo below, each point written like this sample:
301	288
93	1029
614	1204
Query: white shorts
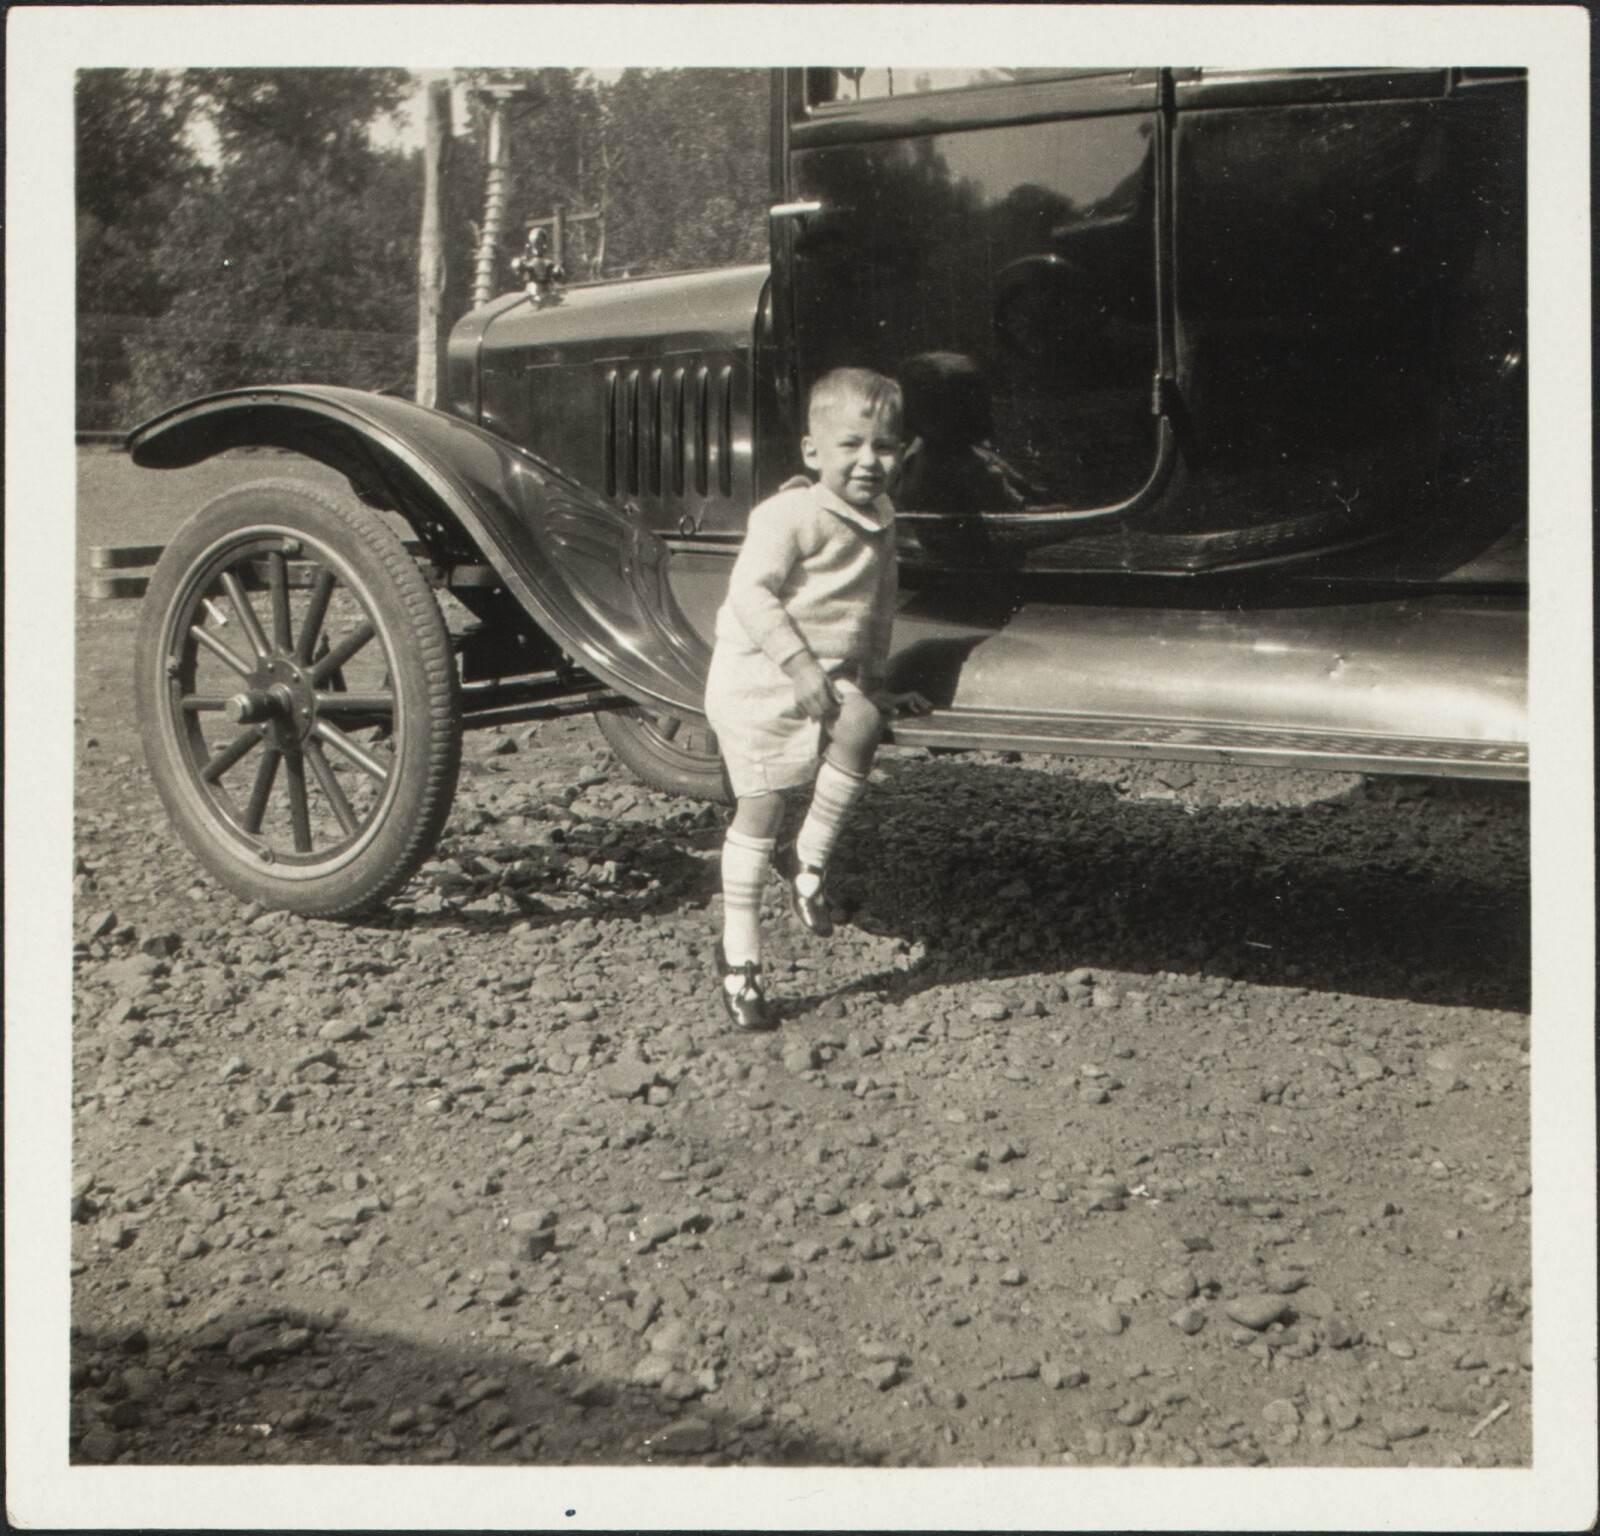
768	743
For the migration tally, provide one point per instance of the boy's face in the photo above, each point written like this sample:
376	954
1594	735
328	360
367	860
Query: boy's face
854	452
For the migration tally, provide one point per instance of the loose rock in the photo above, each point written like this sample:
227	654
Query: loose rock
1108	1319
685	1437
1257	1311
1178	1284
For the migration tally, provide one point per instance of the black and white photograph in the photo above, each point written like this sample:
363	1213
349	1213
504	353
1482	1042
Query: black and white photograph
799	795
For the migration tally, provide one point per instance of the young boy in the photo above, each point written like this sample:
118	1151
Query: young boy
797	673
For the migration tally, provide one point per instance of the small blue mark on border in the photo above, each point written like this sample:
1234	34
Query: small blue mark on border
571	1513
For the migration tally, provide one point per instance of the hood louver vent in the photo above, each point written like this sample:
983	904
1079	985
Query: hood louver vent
668	432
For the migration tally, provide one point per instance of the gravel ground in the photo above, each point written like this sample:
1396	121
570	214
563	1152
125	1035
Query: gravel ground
1134	1115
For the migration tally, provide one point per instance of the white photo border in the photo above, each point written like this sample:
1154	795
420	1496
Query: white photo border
48	44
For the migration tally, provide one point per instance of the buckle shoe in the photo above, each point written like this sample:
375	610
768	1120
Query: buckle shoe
811	910
747	1009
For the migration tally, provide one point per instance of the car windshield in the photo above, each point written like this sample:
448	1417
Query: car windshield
849	85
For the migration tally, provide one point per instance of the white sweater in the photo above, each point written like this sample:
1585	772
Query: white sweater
814	574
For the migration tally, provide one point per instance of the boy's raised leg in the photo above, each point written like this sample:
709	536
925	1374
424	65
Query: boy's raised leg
840	781
836	793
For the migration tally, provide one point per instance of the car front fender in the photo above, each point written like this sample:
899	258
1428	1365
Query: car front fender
589	573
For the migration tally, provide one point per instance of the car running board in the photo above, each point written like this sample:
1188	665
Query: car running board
1204	741
1434	684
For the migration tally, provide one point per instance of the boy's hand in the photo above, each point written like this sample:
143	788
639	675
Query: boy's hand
891	704
813	692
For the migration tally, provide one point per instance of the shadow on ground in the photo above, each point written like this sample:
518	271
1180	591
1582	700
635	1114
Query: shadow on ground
1007	871
281	1384
1418	892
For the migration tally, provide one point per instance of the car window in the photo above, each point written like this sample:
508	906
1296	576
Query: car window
835	87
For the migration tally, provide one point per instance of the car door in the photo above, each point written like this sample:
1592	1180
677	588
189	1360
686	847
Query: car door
990	238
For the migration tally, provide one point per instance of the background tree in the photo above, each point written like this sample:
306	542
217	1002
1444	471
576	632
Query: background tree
676	159
684	168
321	117
292	258
295	261
133	163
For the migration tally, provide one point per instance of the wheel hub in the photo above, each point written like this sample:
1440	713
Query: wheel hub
281	696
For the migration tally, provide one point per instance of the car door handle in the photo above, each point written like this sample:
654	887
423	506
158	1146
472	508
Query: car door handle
792	210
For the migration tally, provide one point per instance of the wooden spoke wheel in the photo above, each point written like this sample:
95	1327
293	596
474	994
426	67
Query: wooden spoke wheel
298	700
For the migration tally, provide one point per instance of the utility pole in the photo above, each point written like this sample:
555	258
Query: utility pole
495	192
430	246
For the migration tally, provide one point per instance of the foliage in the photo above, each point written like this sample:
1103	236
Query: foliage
293	257
684	174
132	164
318	116
675	159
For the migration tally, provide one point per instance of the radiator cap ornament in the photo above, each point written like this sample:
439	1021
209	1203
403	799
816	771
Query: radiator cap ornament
536	269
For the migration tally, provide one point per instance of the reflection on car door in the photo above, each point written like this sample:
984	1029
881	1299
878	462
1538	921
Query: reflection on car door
994	249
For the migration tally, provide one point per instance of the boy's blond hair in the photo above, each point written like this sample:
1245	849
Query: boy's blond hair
875	394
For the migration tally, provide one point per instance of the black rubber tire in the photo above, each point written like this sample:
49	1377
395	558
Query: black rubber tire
377	804
677	756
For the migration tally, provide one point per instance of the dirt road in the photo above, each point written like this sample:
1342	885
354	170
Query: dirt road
1134	1115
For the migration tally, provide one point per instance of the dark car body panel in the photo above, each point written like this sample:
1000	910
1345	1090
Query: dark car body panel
1218	381
1029	248
1344	286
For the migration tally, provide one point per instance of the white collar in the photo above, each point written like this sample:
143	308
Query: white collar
882	507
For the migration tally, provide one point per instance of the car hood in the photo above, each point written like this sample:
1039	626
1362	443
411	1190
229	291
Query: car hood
716	309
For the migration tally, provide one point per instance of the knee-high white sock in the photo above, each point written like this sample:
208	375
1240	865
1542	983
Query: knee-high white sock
744	872
837	790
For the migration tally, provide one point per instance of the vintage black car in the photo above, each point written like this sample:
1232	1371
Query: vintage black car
1217	387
